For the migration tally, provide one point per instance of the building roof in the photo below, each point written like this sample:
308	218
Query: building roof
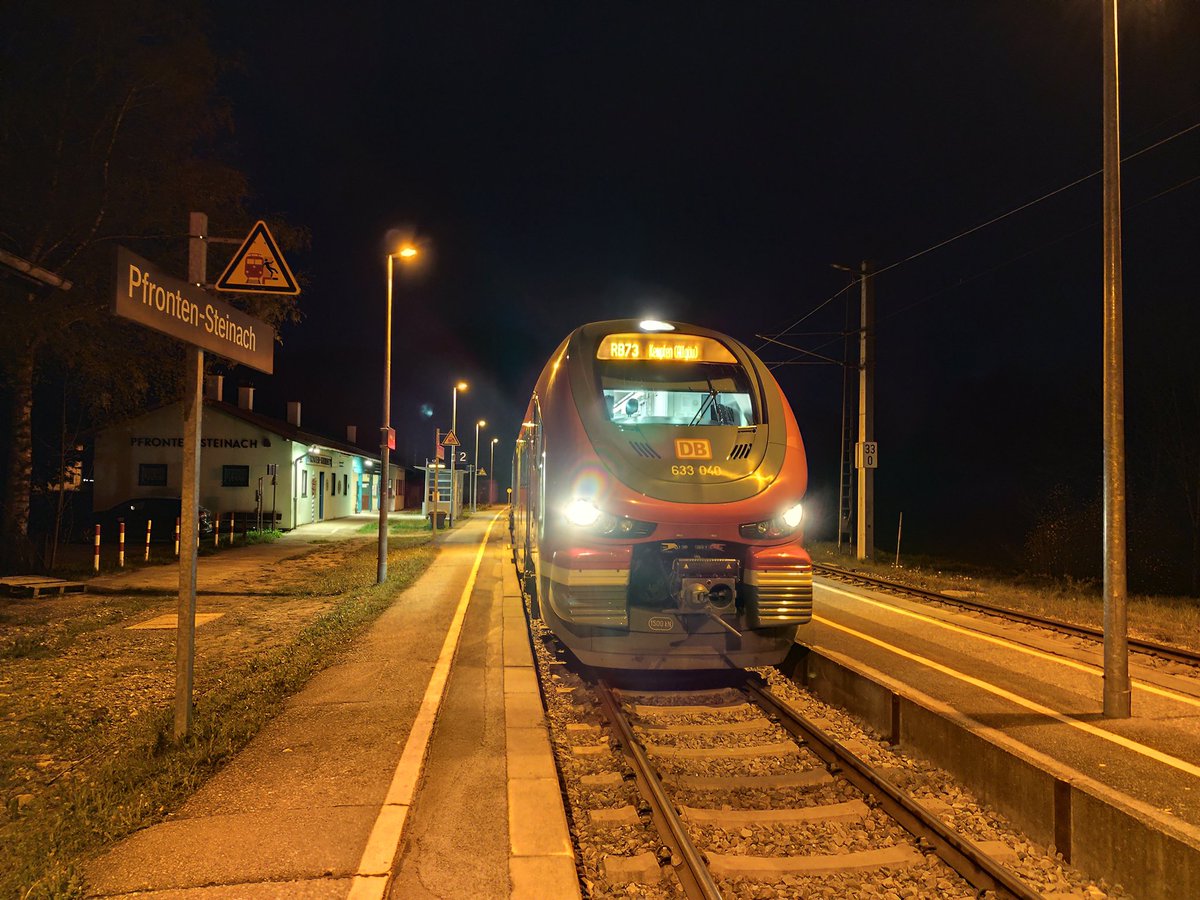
286	430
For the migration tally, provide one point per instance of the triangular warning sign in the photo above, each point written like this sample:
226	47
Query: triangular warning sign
450	440
258	267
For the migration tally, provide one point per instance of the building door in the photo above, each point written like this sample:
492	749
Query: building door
321	495
365	487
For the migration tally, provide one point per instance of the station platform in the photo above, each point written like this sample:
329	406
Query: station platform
419	766
1016	712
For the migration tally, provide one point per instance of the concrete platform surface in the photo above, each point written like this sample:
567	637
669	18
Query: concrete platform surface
387	774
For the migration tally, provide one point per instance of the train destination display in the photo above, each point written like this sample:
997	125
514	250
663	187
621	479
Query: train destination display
146	295
663	348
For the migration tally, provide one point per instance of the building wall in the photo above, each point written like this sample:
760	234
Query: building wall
327	484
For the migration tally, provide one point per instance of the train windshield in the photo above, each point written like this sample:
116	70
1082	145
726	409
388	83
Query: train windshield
650	393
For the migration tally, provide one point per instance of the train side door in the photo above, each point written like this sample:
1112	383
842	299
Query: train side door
520	502
537	488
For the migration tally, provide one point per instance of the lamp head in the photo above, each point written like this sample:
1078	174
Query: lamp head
481	424
461	386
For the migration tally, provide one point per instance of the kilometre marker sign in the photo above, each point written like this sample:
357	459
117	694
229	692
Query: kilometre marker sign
147	295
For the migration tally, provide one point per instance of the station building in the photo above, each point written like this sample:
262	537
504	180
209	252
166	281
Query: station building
303	477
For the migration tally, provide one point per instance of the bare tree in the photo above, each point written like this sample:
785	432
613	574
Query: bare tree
107	114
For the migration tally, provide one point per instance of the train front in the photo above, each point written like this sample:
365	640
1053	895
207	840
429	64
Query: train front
672	535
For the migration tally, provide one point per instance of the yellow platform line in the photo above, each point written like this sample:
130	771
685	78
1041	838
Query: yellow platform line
1087	668
378	857
1126	743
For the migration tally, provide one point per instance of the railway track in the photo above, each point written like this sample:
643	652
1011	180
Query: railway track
818	810
1163	651
728	791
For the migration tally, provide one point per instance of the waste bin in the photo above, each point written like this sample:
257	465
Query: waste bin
441	519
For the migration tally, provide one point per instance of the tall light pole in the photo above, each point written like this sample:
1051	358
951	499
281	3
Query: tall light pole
461	386
492	471
407	253
475	475
1117	694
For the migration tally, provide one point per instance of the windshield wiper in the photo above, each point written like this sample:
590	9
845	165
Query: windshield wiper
708	401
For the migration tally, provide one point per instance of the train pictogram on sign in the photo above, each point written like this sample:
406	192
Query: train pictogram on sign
258	267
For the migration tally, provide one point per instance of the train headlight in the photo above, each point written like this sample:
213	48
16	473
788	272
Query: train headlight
792	517
781	526
582	512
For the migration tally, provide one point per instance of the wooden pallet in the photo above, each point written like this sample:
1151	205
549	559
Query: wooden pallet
37	585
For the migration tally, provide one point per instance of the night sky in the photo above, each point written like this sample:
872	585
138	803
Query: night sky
570	162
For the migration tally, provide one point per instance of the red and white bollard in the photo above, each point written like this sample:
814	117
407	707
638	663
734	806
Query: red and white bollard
121	544
149	522
96	550
217	532
232	517
177	535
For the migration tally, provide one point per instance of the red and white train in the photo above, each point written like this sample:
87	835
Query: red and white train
656	510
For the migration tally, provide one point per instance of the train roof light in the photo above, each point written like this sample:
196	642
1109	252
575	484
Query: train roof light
655	325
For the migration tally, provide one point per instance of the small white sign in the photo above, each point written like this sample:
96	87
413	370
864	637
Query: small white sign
867	454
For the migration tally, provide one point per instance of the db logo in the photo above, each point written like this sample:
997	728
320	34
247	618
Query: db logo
690	449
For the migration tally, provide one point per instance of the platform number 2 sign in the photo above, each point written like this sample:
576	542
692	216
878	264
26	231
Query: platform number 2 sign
868	454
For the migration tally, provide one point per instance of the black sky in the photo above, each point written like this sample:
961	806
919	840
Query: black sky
708	162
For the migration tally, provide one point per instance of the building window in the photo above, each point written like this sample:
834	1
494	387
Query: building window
304	483
235	476
152	474
345	484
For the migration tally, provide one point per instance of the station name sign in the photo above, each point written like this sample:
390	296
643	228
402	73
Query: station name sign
150	297
212	443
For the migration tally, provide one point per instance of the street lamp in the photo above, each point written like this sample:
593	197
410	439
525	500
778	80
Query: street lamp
406	253
461	386
492	471
475	475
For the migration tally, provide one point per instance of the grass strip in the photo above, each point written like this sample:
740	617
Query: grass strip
147	775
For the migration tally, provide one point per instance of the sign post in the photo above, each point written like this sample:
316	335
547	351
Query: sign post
437	476
189	508
451	441
184	310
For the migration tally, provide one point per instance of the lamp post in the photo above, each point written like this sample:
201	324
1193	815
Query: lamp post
475	475
492	471
1117	703
461	386
406	253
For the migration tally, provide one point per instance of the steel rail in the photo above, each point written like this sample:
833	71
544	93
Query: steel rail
692	870
1174	654
979	869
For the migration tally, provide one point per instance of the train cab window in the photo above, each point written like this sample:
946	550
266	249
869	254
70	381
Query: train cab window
650	393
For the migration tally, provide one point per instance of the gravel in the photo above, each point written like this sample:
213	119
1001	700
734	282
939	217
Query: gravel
570	701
